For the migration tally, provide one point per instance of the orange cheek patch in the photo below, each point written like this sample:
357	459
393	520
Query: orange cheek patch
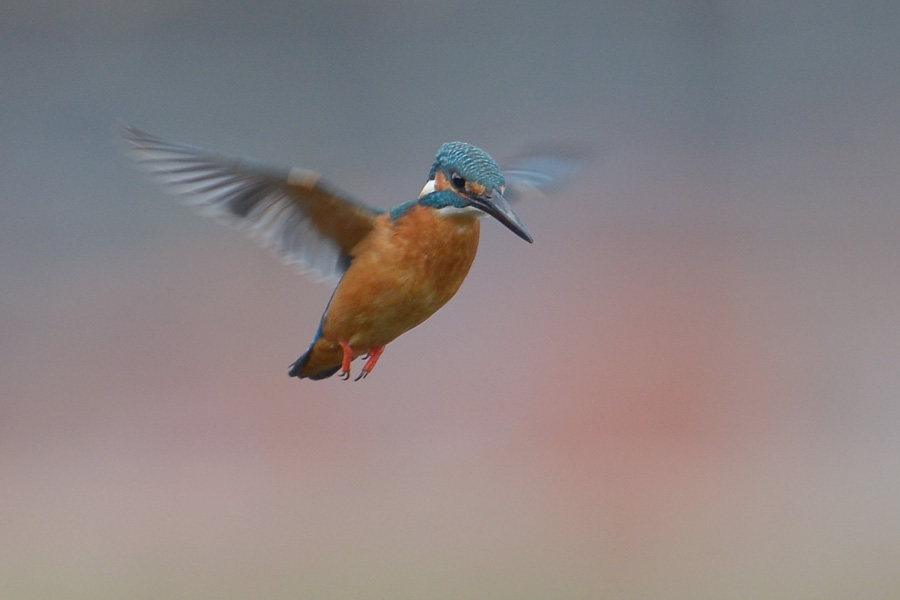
476	189
440	182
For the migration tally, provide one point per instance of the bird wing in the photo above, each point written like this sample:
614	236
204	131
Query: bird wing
301	219
544	170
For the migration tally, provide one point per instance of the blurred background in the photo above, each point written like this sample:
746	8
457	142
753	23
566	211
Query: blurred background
687	387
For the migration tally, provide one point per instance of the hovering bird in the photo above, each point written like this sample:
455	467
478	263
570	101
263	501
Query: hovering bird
394	268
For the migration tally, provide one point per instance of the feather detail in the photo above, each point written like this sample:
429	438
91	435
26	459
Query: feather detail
544	171
292	212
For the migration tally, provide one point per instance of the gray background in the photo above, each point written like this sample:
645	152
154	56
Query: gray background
686	388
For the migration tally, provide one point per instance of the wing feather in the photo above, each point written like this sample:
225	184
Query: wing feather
544	170
292	212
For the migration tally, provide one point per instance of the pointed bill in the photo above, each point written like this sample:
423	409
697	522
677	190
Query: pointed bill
496	205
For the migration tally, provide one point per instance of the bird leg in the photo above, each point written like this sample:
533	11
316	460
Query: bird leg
373	357
348	358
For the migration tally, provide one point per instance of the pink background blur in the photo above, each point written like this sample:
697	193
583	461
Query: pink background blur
688	387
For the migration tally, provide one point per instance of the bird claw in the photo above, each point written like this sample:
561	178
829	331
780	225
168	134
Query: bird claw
371	356
347	350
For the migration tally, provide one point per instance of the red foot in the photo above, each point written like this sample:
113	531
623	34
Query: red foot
348	358
373	357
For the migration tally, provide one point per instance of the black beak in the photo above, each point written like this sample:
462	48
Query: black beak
496	205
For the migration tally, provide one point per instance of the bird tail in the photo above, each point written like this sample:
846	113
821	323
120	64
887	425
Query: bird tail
305	368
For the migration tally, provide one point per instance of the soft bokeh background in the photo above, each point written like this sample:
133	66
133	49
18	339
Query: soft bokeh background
686	388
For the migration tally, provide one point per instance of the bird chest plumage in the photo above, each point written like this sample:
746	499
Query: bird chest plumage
401	275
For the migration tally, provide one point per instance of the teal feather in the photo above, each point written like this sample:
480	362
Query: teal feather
472	163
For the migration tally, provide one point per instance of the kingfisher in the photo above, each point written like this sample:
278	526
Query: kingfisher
394	268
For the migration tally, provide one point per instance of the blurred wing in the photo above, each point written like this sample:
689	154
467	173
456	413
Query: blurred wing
308	225
544	171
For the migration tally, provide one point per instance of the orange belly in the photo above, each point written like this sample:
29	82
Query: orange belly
401	273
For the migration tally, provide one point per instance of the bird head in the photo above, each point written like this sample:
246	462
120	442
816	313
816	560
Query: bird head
465	178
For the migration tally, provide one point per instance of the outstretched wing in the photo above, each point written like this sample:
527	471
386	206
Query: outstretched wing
291	211
544	170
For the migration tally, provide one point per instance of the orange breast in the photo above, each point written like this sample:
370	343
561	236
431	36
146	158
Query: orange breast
401	274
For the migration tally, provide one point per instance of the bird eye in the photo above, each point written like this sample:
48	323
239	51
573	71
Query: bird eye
457	181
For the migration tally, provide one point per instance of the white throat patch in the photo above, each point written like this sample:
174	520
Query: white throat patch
450	211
